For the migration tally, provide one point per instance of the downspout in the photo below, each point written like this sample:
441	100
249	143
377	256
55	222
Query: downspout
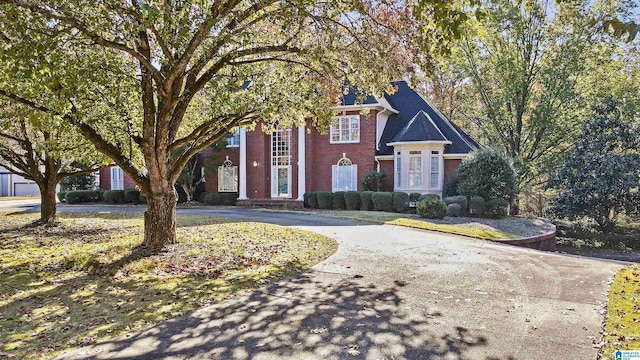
377	164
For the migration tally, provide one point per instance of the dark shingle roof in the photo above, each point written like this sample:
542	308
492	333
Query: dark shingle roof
356	97
400	126
420	128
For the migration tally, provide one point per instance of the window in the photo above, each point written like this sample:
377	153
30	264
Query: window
281	163
234	139
398	169
346	130
117	178
227	177
345	176
415	169
434	179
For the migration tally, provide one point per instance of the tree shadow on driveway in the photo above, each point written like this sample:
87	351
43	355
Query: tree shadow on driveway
300	318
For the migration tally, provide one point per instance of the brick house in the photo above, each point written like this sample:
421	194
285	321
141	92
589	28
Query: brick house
402	135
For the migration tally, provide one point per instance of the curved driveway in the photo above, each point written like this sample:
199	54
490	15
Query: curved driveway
392	293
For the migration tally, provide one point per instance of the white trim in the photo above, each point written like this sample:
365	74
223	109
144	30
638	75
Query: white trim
117	178
301	163
338	127
376	106
417	142
455	156
242	194
384	157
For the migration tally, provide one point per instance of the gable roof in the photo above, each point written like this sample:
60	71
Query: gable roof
417	120
420	128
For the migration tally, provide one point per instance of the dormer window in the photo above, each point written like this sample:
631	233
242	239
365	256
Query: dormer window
345	130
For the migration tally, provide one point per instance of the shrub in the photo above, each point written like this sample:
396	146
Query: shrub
460	200
305	198
324	200
212	198
496	208
114	196
413	197
366	201
337	200
62	196
489	174
200	197
352	200
400	202
100	193
312	199
454	209
373	181
428	196
229	199
477	206
78	196
142	199
431	208
132	196
382	201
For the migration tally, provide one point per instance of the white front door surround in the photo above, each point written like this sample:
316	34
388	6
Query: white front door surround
281	163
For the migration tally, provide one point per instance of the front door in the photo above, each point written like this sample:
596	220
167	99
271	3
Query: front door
281	164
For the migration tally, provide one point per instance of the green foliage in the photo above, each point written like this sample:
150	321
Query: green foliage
460	200
454	209
428	196
489	174
366	201
79	196
400	202
373	181
451	188
182	194
352	200
78	182
132	196
337	200
382	201
601	178
431	208
113	196
228	199
311	199
496	208
414	197
477	206
62	196
325	200
212	199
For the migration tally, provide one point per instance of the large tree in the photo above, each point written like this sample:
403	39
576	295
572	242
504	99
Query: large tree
186	72
38	147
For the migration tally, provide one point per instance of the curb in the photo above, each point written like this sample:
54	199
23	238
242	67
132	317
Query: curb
544	242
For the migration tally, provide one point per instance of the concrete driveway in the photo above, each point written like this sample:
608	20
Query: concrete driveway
393	293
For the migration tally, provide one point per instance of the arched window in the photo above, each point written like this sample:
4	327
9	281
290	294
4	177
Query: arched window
345	175
227	177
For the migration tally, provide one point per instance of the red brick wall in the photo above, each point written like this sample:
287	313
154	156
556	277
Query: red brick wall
450	169
105	180
258	177
322	155
386	166
213	160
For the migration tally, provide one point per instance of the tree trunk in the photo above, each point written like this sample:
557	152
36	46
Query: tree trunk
160	220
48	202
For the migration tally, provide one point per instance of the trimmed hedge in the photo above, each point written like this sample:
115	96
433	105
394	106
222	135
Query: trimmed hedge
477	206
460	200
428	196
400	202
79	196
229	199
114	196
311	198
413	197
142	199
431	208
201	197
496	208
454	209
324	200
132	196
211	198
62	196
366	201
337	200
352	200
382	201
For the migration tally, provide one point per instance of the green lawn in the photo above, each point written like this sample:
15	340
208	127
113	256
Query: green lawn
622	329
87	280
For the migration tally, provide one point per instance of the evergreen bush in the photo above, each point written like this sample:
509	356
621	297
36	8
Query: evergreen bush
400	202
212	198
477	206
382	201
352	200
454	209
114	196
62	196
460	200
337	200
431	208
325	200
132	196
489	174
373	181
366	201
496	208
312	199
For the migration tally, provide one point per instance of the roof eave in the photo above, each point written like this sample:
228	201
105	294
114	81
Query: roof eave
419	142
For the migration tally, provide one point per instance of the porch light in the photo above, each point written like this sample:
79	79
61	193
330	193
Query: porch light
255	163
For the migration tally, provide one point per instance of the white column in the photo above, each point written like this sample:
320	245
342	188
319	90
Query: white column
301	163
243	166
